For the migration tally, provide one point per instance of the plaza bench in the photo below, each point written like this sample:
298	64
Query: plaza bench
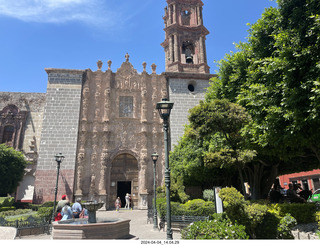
181	221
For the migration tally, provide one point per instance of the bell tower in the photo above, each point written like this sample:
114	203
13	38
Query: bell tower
185	36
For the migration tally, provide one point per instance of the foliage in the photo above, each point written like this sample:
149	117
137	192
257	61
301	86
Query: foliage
4	209
208	195
48	204
276	77
219	228
285	226
295	209
45	213
12	165
318	219
195	207
6	201
262	221
15	212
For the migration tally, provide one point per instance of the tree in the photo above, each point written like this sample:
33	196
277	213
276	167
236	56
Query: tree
12	165
187	164
220	123
276	77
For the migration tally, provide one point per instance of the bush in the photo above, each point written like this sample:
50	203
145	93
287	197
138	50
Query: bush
22	205
318	218
208	195
45	213
48	204
285	226
219	228
14	212
6	201
304	213
5	209
195	207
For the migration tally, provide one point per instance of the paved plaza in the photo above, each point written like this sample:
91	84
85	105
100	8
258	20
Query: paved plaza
138	226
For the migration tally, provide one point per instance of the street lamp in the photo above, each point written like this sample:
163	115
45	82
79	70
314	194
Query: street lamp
59	158
154	157
164	107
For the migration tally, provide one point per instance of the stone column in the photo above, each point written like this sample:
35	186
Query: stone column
174	14
171	41
176	48
201	50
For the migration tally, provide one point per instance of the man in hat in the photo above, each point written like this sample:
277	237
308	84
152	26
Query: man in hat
63	201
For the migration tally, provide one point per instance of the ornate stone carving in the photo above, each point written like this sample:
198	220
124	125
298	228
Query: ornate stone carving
99	64
153	67
144	64
109	64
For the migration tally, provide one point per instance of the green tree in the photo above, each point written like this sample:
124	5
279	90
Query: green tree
187	164
12	165
276	77
219	123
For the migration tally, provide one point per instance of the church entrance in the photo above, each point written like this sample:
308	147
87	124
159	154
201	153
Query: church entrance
124	179
124	187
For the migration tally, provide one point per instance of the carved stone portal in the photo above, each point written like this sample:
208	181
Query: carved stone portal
115	136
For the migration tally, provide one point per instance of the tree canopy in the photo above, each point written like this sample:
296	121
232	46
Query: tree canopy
12	165
275	77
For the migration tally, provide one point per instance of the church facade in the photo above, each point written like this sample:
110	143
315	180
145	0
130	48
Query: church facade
105	123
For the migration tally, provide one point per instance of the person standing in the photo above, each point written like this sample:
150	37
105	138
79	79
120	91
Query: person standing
62	202
117	203
127	201
76	208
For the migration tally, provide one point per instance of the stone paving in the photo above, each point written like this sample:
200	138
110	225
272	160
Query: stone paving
138	226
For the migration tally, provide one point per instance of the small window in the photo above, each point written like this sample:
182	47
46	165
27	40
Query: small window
8	135
126	106
191	87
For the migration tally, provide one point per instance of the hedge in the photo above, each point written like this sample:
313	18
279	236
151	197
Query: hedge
6	201
304	213
195	207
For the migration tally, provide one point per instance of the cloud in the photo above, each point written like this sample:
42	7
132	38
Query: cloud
58	11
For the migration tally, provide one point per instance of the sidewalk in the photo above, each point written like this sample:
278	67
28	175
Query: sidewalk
138	226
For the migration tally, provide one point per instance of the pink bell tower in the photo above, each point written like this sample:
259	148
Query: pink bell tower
185	37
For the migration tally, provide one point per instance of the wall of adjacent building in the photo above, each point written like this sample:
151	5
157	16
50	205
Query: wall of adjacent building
59	134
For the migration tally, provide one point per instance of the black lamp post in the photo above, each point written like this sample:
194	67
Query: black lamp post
164	107
59	158
154	157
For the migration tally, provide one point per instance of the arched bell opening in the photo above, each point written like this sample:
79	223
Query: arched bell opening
188	51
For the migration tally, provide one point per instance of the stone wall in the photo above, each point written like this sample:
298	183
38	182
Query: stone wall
180	92
59	133
33	104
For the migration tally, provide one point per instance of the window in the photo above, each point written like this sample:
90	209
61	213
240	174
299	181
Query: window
8	135
126	106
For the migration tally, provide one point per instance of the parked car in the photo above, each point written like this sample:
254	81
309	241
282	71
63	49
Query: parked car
315	196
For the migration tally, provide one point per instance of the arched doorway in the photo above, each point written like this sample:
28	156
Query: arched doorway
124	179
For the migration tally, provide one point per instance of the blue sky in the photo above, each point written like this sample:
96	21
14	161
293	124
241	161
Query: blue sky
75	34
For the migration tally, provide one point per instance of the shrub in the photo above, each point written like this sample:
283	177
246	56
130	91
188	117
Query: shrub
45	213
14	212
195	207
208	195
317	215
48	204
22	205
295	209
5	209
218	228
285	226
6	201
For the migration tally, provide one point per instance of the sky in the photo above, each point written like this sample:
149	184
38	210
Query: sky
75	34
